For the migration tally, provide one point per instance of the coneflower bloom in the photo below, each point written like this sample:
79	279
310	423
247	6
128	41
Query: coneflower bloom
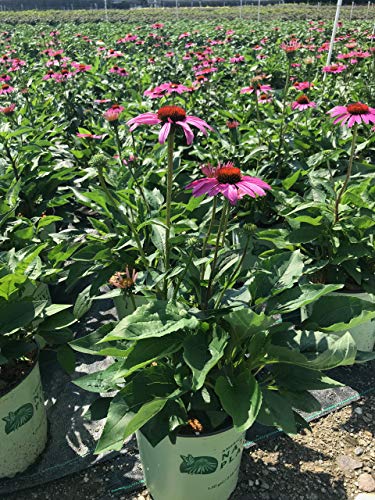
264	98
292	46
231	123
167	89
8	110
334	68
228	180
237	59
257	87
113	113
89	136
302	85
119	71
353	113
123	280
170	116
6	89
4	78
81	68
303	102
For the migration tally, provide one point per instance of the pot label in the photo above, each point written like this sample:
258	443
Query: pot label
16	419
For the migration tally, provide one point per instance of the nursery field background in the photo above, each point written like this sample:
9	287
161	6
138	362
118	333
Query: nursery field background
71	80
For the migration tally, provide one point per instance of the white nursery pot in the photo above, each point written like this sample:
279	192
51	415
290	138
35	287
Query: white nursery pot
195	468
23	425
364	334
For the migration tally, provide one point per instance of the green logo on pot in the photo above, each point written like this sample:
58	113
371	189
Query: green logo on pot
18	418
198	465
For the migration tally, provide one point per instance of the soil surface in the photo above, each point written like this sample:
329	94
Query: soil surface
336	461
12	374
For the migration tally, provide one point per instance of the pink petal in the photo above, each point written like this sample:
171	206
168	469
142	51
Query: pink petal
202	186
256	181
230	191
187	131
199	123
164	131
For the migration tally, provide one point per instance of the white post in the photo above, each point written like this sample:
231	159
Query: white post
106	10
177	9
339	4
258	11
240	9
351	12
368	6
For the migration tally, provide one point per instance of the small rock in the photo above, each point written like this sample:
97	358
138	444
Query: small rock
367	418
358	411
272	469
257	482
250	482
366	482
265	486
85	479
365	496
348	463
358	451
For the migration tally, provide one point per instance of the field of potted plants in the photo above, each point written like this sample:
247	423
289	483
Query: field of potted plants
216	180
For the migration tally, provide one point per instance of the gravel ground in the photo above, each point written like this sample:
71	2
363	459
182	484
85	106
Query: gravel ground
334	462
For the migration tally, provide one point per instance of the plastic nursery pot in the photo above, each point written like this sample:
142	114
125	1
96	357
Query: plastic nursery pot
196	467
124	305
23	425
363	335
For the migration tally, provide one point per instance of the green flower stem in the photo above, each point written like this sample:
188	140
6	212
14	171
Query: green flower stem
128	222
229	281
119	150
209	231
170	146
12	161
183	274
217	246
348	174
133	301
256	105
282	125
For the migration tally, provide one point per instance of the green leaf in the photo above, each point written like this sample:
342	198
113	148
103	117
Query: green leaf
14	315
83	303
277	411
89	344
297	378
202	355
66	358
339	312
102	381
98	409
155	319
241	398
246	323
298	297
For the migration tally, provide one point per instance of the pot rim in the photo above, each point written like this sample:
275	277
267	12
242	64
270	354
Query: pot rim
35	362
200	436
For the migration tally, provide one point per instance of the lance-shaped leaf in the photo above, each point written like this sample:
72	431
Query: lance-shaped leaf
339	313
202	353
241	398
155	319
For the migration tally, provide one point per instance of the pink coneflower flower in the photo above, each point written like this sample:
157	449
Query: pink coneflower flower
167	89
303	102
228	180
102	101
258	87
264	98
303	85
6	89
170	116
89	136
4	78
119	71
353	113
113	113
123	280
237	59
232	123
81	68
8	110
334	68
292	46
157	26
